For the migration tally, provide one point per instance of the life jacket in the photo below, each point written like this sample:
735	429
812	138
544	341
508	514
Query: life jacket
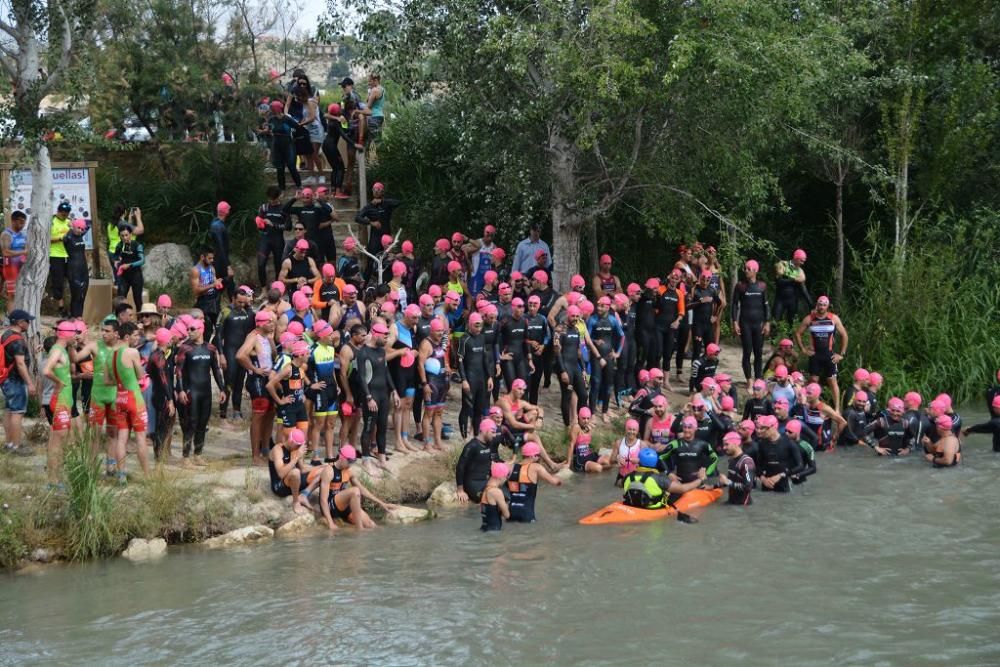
642	490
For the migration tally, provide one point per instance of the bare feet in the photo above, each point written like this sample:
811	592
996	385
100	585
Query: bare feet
187	464
259	461
198	461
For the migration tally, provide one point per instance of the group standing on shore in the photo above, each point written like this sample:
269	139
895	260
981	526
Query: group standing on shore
373	338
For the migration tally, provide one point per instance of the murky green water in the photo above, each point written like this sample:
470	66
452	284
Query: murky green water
873	562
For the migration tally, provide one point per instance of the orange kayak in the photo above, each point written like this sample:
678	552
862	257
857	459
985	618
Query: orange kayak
622	513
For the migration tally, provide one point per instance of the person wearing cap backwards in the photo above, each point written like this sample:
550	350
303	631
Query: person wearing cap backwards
299	269
790	286
77	273
197	363
219	233
378	394
475	372
58	229
340	493
741	477
704	366
889	434
480	253
606	332
57	370
206	285
377	215
523	483
823	328
751	315
604	283
256	356
235	323
525	260
780	459
946	451
705	307
299	234
991	426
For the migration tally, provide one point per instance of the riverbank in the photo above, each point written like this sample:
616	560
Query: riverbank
182	505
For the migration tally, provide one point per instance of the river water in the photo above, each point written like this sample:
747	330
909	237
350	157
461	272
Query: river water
872	562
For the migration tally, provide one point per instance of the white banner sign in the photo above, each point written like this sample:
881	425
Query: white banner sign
72	185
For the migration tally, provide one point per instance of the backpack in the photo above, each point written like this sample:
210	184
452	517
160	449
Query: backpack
4	368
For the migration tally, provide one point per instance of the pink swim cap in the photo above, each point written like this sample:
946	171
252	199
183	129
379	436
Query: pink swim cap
631	424
712	349
785	342
633	288
652	283
412	310
490	277
896	404
437	325
407	247
531	449
295	328
475	318
499	470
799	254
759	384
426	300
442	245
350	243
300	301
577	281
752	265
222	208
655	373
748	426
297	437
452	295
329	270
573	311
643	376
781	402
813	390
861	396
348	452
781	372
732	438
398	269
727	403
689	422
263	317
434	290
794	427
278	285
996	402
913	398
487	426
944	421
163	336
861	375
944	400
163	301
300	348
586	308
519	384
454	266
875	380
584	413
287	339
659	401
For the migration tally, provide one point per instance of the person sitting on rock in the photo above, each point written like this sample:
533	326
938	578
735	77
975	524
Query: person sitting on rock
340	493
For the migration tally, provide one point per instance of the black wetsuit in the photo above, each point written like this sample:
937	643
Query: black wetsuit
271	241
625	380
992	426
702	367
235	324
196	366
751	311
491	334
755	407
474	366
669	309
160	369
380	212
513	341
77	273
548	298
742	477
702	331
375	382
473	468
606	334
890	434
641	405
647	334
685	459
131	280
780	456
568	361
537	330
492	519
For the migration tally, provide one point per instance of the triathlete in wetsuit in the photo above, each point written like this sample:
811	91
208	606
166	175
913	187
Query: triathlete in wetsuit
538	337
648	335
272	222
780	458
750	315
890	434
704	303
513	345
235	324
991	426
197	363
473	468
547	298
795	431
607	335
625	369
160	369
687	455
790	286
569	364
704	366
523	483
76	266
741	477
129	258
378	394
672	307
475	368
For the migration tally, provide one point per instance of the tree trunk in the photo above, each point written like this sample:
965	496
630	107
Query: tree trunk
34	273
593	250
567	221
838	285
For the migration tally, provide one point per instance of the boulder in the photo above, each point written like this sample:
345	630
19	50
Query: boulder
41	555
445	495
142	550
167	264
296	526
604	451
565	474
246	535
407	515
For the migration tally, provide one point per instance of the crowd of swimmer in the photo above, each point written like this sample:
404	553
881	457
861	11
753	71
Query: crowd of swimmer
333	340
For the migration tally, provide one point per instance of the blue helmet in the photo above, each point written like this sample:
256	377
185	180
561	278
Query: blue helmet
648	458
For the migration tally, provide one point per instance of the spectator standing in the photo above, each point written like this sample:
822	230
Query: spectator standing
14	247
376	103
121	217
58	230
128	259
17	385
524	256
